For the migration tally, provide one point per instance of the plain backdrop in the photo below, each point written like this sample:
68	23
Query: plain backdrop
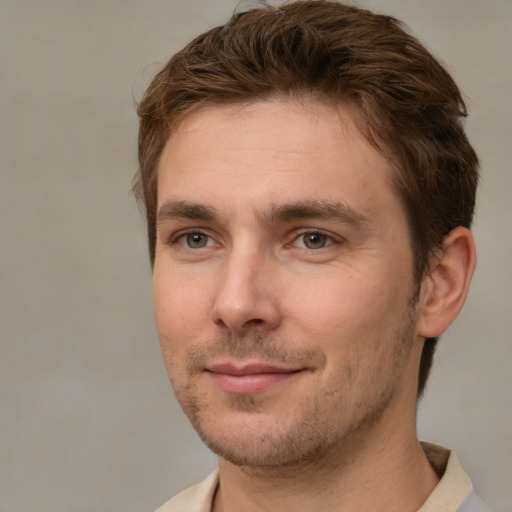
87	418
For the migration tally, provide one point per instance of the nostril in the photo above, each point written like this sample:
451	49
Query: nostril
220	323
253	322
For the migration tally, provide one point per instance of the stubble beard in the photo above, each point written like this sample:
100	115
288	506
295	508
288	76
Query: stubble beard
327	424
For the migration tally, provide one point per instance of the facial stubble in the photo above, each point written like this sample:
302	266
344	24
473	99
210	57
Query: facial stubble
324	424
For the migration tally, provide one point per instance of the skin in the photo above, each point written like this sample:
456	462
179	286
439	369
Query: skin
289	320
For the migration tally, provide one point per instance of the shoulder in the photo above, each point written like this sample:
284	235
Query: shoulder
197	498
473	503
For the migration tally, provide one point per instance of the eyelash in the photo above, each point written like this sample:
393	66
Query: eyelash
328	239
182	235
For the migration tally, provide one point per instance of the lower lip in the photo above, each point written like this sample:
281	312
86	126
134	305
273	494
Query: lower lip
250	384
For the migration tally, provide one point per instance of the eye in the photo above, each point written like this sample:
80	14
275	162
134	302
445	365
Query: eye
313	240
196	240
193	240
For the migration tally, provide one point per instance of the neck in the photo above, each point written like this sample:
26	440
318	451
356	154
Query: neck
386	470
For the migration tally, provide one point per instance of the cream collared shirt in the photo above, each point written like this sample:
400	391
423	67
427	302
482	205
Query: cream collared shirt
453	493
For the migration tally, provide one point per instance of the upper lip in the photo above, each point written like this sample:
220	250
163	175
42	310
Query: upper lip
248	369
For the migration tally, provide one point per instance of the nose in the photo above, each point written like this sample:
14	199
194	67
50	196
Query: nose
247	295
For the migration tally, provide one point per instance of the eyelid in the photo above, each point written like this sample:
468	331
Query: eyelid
177	236
298	234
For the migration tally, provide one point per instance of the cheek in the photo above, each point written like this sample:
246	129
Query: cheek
358	309
180	309
173	319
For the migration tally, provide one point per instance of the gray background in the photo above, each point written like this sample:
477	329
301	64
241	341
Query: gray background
88	421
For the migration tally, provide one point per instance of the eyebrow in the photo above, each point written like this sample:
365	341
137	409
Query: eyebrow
299	210
315	209
172	210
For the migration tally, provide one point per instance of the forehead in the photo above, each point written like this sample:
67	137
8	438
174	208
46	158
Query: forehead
272	149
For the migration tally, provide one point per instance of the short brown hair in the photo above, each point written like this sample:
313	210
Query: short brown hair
408	106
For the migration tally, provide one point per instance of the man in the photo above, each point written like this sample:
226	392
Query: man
308	188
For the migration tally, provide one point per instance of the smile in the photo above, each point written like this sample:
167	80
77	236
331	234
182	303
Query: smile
249	379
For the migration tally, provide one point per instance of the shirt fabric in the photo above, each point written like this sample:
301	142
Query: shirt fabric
453	493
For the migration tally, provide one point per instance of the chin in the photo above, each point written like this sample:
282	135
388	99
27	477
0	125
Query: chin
259	441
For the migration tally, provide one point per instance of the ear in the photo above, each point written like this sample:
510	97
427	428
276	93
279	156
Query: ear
445	288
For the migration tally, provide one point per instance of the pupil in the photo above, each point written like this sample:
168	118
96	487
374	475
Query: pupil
196	240
315	241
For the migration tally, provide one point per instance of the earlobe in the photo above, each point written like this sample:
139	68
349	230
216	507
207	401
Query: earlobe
444	289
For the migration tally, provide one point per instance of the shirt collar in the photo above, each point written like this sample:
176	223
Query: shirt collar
453	487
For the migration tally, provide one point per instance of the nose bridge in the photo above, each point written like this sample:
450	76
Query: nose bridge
244	298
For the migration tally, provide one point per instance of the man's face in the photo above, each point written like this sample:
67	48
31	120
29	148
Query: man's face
283	282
